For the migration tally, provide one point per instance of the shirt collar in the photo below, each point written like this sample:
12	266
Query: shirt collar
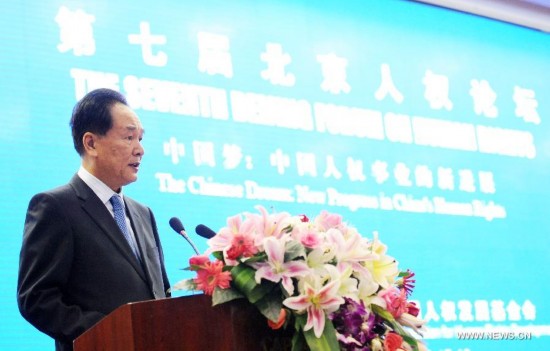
98	187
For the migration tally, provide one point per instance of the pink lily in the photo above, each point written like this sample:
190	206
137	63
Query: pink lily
275	269
350	249
326	221
236	228
267	225
308	235
316	303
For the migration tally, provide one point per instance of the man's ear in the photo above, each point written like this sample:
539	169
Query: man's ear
89	141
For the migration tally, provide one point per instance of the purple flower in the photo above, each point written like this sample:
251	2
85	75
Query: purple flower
355	325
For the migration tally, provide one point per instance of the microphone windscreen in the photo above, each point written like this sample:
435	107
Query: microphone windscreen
176	224
204	231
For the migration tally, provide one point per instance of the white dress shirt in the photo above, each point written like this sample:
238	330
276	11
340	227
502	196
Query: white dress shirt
105	193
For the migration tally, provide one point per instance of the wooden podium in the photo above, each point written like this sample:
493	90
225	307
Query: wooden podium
187	323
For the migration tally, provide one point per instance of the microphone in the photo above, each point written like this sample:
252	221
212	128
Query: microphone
204	231
176	224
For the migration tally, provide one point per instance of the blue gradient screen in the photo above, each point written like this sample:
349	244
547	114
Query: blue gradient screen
428	126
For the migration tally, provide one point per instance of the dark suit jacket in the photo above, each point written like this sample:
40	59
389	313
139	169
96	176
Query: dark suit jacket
76	266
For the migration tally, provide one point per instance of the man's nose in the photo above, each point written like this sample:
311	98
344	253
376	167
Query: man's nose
139	150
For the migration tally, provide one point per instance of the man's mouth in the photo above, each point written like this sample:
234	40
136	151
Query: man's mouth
135	165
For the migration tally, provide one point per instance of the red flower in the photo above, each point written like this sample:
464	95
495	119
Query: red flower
412	309
241	245
197	262
211	276
392	342
303	218
279	323
396	301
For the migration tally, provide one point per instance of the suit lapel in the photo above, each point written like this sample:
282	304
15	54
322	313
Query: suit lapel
101	216
141	226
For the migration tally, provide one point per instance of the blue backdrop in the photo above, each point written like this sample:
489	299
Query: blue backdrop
426	125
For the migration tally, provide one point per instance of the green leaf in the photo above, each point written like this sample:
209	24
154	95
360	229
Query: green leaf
300	321
287	229
294	249
244	281
186	284
270	305
327	341
298	341
224	295
259	257
387	316
411	341
193	267
218	255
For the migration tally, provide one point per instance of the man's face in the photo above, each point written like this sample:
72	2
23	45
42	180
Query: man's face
119	151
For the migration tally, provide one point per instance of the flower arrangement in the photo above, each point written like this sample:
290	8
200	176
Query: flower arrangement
337	289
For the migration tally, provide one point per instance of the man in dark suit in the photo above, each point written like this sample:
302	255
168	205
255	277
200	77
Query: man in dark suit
87	249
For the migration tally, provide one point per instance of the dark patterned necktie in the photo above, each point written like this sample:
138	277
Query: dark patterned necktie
120	219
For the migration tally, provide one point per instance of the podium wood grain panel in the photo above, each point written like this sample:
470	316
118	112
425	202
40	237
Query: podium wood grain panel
187	323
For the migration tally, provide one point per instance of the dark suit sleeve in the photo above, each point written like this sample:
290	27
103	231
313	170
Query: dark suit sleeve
45	264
